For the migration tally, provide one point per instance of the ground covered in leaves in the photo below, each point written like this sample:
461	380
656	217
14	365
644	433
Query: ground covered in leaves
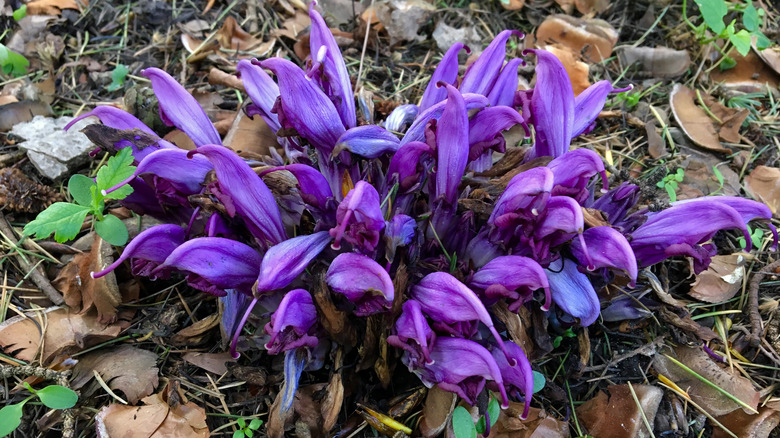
149	358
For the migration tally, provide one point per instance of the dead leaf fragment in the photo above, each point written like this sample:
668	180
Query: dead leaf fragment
161	417
196	333
625	418
771	56
128	369
537	425
722	279
750	74
763	183
659	62
706	396
593	37
65	332
696	124
729	119
403	18
53	7
437	408
250	136
748	426
212	362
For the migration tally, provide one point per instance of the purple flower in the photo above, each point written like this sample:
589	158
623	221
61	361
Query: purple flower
573	171
460	366
363	281
503	91
148	249
518	379
485	134
315	190
399	232
483	73
402	117
262	89
572	291
446	72
369	141
404	165
359	218
334	79
446	300
243	193
413	334
588	105
416	132
749	210
606	248
287	260
617	202
292	325
178	108
452	147
512	277
214	264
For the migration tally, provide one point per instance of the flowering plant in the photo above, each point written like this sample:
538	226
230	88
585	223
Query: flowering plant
378	217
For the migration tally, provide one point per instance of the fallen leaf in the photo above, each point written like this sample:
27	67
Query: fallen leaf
748	426
750	74
656	145
575	68
595	37
53	7
219	77
763	183
515	323
729	119
625	417
436	411
64	333
537	425
771	56
230	38
586	7
20	112
333	400
250	138
700	180
722	279
706	396
658	62
696	124
128	369
212	362
196	333
513	5
293	26
403	18
159	418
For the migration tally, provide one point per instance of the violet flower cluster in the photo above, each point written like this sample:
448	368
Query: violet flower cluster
365	202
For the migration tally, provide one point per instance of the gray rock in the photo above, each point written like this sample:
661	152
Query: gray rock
53	151
445	36
403	18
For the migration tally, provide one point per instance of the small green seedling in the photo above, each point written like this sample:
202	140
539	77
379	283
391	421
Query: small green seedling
463	425
247	430
20	13
52	396
669	183
714	11
569	333
118	77
65	219
756	236
12	63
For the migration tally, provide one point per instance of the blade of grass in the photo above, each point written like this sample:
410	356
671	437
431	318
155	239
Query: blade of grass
641	411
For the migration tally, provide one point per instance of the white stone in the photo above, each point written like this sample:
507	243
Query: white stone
53	151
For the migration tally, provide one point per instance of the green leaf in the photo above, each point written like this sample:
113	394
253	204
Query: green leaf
12	63
557	341
249	433
463	424
255	424
241	423
238	434
57	397
493	411
480	426
762	42
118	77
741	41
680	175
713	11
670	192
61	218
756	237
727	63
718	175
79	187
20	13
117	169
750	17
539	381
112	230
10	418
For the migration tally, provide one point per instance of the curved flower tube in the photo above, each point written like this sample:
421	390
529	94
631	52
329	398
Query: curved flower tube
446	72
173	165
606	248
482	74
503	91
244	193
359	218
285	261
401	117
215	264
588	105
513	277
416	132
369	141
485	129
148	249
572	291
178	108
518	379
552	106
573	171
617	202
413	334
452	146
314	187
262	89
363	281
404	164
292	323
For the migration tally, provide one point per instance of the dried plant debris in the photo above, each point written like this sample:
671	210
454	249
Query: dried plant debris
128	369
627	405
721	281
20	194
593	37
693	120
657	62
763	183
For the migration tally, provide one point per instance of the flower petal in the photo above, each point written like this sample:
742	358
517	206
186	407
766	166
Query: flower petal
519	378
447	72
262	89
314	187
368	141
483	73
287	260
402	117
503	91
606	248
178	108
363	281
588	105
152	245
412	326
173	165
486	126
452	146
504	275
552	106
291	323
416	132
573	171
359	218
405	163
572	291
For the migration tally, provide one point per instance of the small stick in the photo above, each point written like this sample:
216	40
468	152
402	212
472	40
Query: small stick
756	329
36	276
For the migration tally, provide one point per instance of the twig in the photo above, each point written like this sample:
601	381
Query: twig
36	276
756	329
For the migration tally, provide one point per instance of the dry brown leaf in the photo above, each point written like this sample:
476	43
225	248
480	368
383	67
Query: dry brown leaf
293	26
212	362
750	74
729	119
771	56
575	68
6	99
658	62
696	124
250	137
722	279
128	369
566	5
230	38
437	408
593	37
82	292
586	7
763	183
513	5
687	324
332	402
64	333
159	418
403	18
53	7
707	397
656	145
537	425
19	112
700	179
196	333
748	426
625	418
